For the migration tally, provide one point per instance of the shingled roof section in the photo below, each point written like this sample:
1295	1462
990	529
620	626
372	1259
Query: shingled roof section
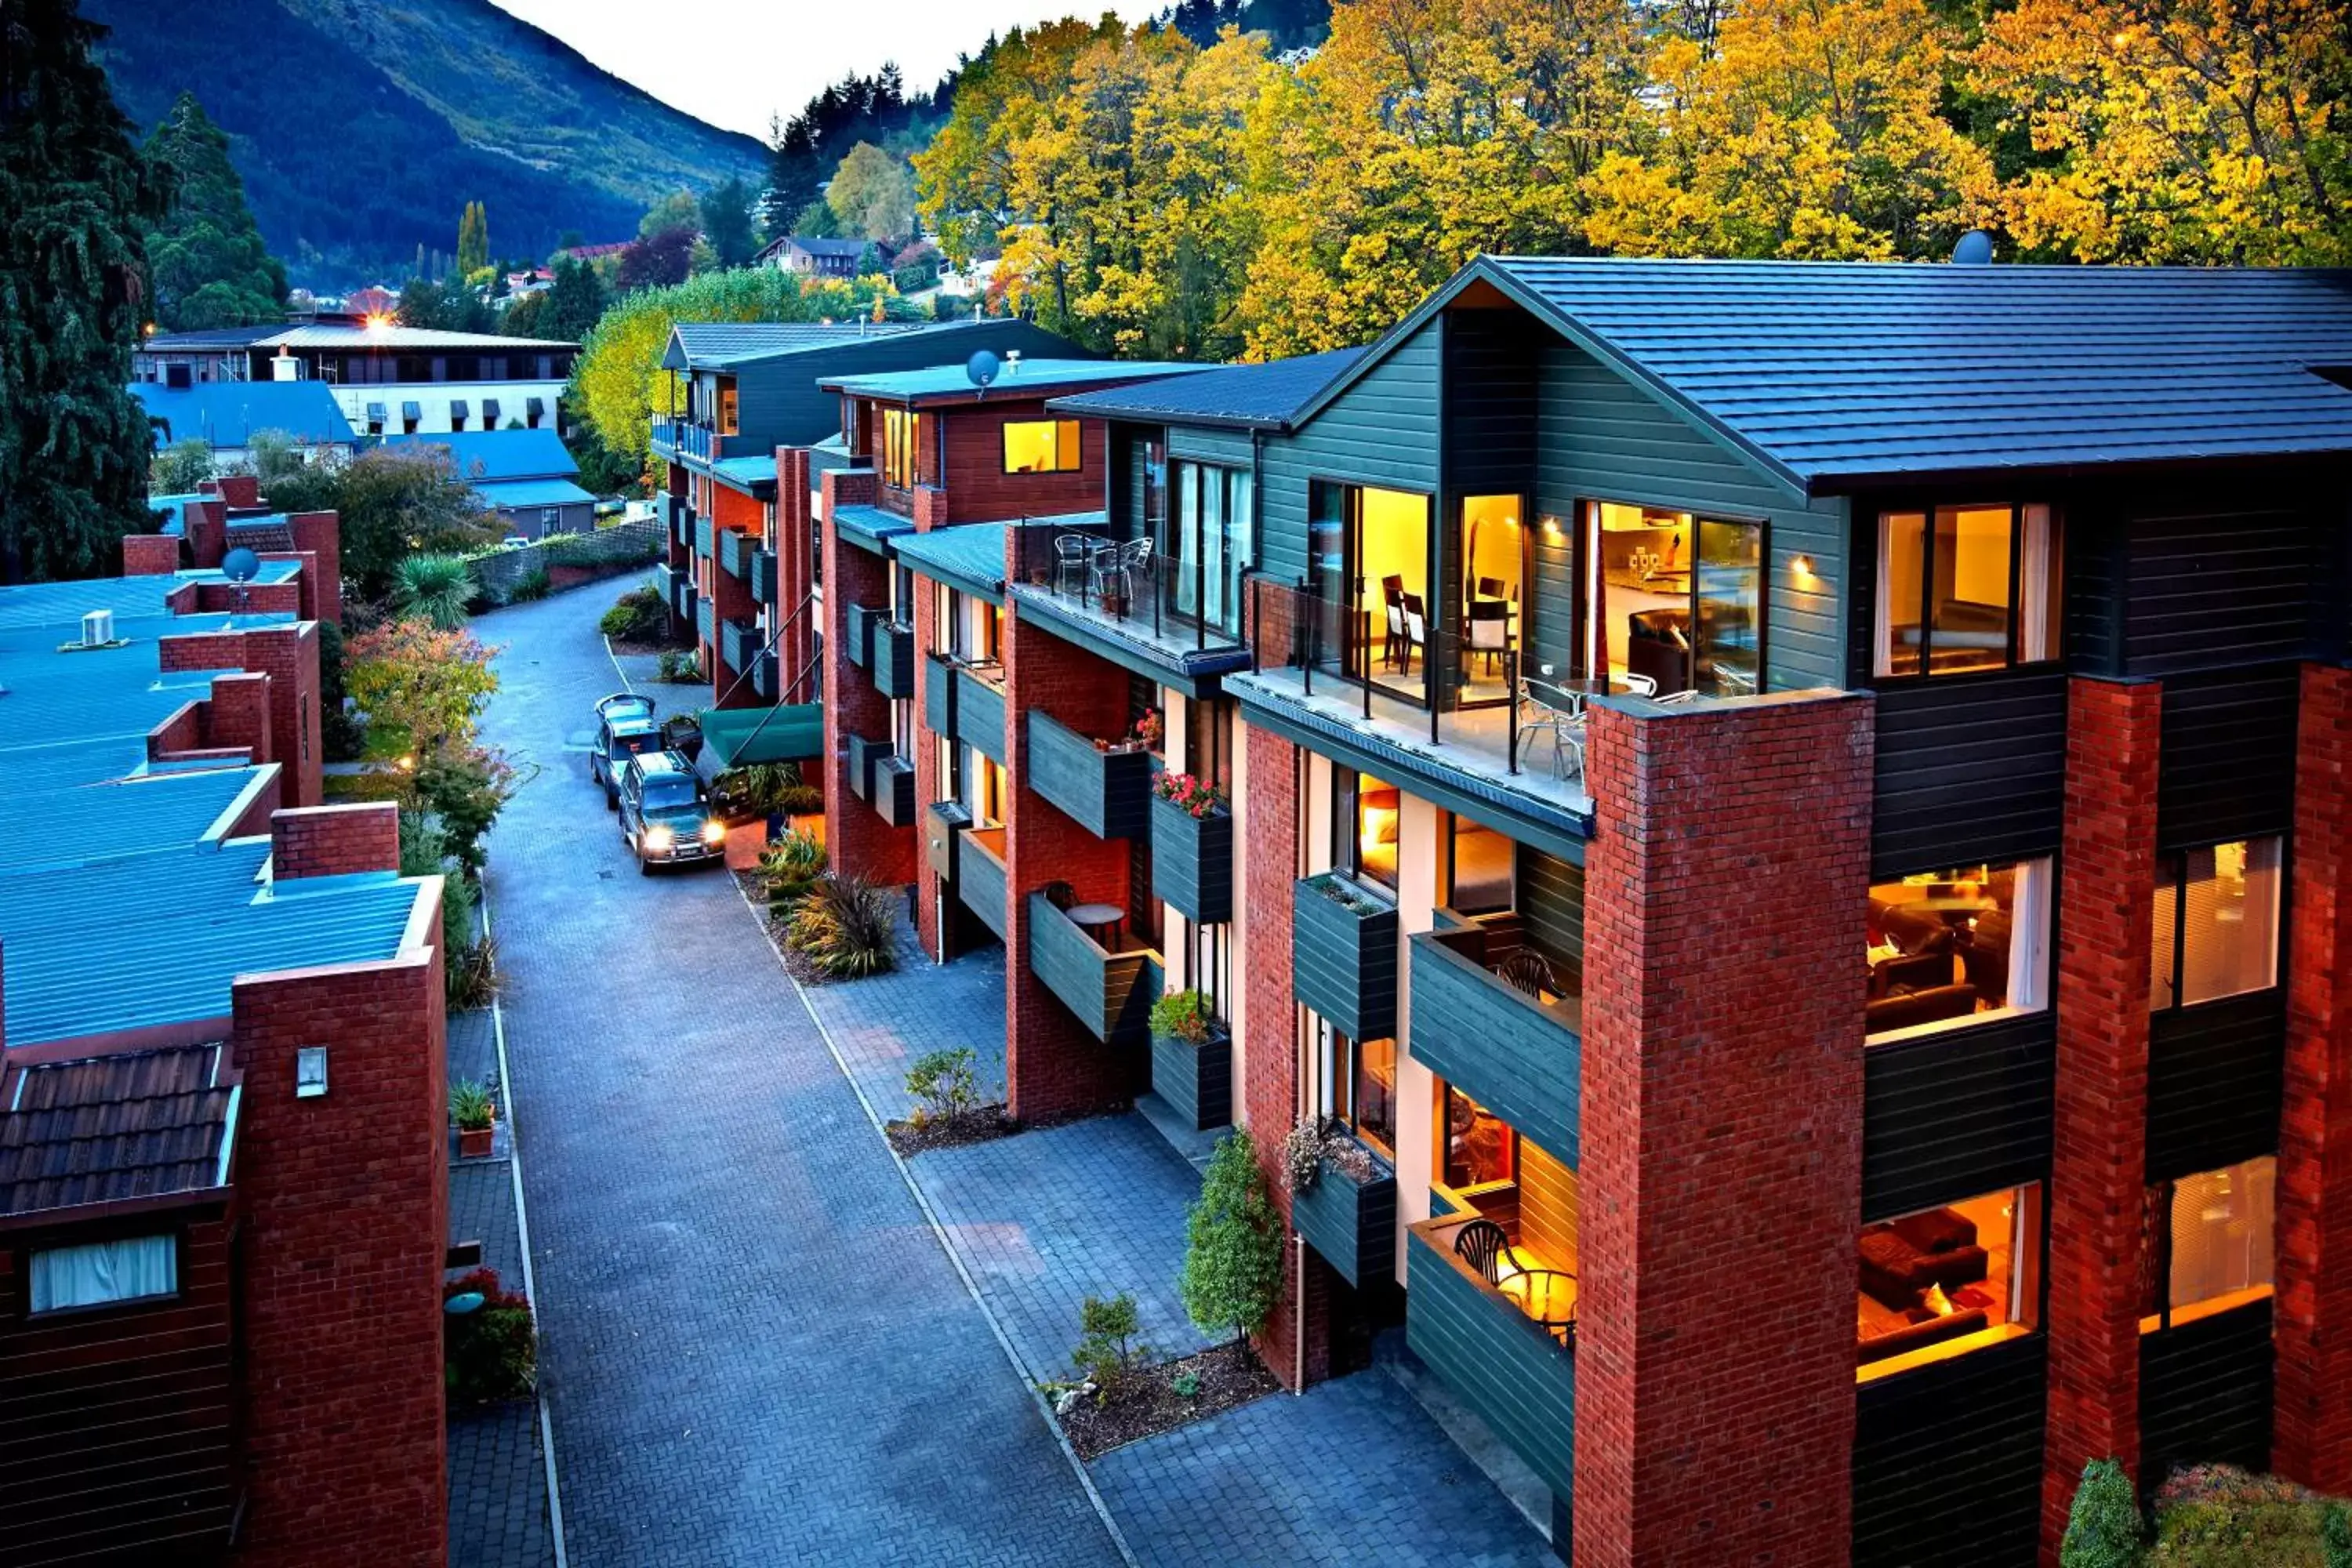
1251	397
1835	373
132	1124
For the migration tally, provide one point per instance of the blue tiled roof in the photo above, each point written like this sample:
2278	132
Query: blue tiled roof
515	493
499	454
968	555
1828	372
1034	378
869	526
1253	396
225	413
746	473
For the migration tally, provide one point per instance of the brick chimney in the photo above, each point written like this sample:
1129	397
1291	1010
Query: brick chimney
334	840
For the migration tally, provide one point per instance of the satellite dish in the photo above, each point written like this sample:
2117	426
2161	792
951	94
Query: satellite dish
1974	249
981	369
240	565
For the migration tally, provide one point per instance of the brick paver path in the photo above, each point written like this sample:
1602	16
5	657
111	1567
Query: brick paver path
754	1351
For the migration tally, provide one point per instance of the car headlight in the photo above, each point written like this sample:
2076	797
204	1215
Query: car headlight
714	832
658	837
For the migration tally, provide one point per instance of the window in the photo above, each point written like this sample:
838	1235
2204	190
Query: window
2216	928
1360	1084
1681	599
1481	866
1368	555
1950	1279
1041	446
105	1273
1366	819
727	425
1966	587
1210	543
1481	1151
1952	947
898	448
2211	1241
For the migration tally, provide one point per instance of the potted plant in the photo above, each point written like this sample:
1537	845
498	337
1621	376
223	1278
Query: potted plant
475	1117
1343	1199
1192	1059
1191	848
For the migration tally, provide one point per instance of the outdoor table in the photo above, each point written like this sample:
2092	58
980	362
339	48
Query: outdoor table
1546	1295
1092	918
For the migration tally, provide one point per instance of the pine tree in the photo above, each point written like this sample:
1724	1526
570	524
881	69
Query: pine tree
207	262
74	444
472	240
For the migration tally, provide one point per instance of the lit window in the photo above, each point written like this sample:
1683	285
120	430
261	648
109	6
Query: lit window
1967	588
726	408
1360	1084
1947	1280
1481	1150
898	448
2214	1234
1041	446
2215	931
104	1273
1949	948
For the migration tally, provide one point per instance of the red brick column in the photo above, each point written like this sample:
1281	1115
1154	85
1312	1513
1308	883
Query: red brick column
205	524
796	570
2313	1440
2099	1175
857	841
1053	1066
149	554
319	535
930	507
930	924
242	491
1727	885
334	840
289	655
1271	828
237	714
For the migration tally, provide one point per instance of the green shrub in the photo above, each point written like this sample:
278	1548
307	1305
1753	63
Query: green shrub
473	975
637	616
1187	1384
1232	1244
2104	1529
767	789
678	666
470	1106
2216	1516
1183	1016
492	1351
435	589
845	927
2336	1535
943	1080
1108	1352
790	866
531	586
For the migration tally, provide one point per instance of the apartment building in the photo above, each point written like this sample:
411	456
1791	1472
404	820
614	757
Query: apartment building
1907	702
224	1169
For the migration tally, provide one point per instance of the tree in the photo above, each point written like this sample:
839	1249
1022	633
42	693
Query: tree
74	443
423	689
727	224
207	263
180	468
1232	1244
676	210
395	501
2103	1528
873	194
661	257
435	589
815	221
448	306
573	303
472	240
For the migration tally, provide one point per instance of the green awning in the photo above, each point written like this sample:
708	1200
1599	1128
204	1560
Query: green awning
739	737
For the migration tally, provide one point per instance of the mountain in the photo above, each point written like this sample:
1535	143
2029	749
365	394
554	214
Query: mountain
362	127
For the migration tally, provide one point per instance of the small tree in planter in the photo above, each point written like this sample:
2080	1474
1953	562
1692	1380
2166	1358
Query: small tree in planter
1233	1245
2104	1529
1108	1351
943	1081
475	1117
1184	1015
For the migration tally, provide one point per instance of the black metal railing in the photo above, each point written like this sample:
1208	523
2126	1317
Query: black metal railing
1126	580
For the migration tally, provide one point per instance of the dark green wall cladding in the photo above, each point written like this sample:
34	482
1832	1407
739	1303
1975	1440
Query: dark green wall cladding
1193	862
2205	1392
943	822
1520	1381
1353	1226
1511	1056
863	754
979	715
1344	962
1601	437
858	621
894	658
1196	1080
763	576
894	791
735	551
1947	1460
1381	431
1207	444
1956	1114
1551	902
1108	794
1111	993
2215	1081
980	882
939	696
739	644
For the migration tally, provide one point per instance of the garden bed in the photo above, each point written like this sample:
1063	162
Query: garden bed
980	1124
645	649
1147	1403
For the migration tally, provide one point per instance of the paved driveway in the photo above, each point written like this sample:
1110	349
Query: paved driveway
754	1349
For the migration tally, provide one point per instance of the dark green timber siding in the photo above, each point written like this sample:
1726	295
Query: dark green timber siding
939	696
1952	1114
1948	1461
1193	862
2216	1076
2205	1391
1202	444
979	715
1382	431
894	791
1520	1381
1603	438
1519	1060
858	624
894	658
1196	1080
1111	993
1552	902
1352	1225
980	882
1106	793
863	754
1344	961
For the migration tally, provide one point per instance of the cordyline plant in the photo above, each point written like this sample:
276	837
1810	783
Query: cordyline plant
1190	794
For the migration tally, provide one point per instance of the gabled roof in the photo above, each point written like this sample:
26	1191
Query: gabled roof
1247	396
1030	378
226	413
1831	374
720	345
511	495
132	1124
853	248
495	455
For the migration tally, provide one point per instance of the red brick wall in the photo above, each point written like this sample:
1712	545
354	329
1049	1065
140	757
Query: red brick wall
347	1211
205	526
2099	1167
2312	1435
236	489
857	841
795	572
335	840
930	925
149	554
257	598
980	491
289	655
319	534
1053	1065
1727	885
930	510
237	714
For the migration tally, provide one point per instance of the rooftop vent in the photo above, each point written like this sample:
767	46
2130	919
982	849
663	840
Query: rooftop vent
1013	362
97	628
1974	248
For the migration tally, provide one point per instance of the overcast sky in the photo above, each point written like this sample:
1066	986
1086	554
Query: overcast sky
735	62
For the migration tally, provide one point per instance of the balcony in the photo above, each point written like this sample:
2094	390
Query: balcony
736	549
894	791
1106	791
1516	1375
858	621
765	676
979	875
1516	1052
943	828
1192	862
894	658
666	581
706	621
1351	1222
979	709
681	523
939	696
682	597
703	544
739	644
1080	575
1196	1078
681	438
763	576
863	754
1343	954
1110	992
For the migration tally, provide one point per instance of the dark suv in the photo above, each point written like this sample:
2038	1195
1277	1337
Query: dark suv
665	818
624	729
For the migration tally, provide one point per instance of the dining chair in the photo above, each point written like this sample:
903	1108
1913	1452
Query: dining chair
1486	1248
1395	643
1489	630
1490	587
1416	629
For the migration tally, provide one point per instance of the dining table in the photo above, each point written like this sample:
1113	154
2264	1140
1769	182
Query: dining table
1546	1295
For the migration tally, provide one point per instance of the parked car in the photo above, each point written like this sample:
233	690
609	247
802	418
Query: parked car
624	729
665	819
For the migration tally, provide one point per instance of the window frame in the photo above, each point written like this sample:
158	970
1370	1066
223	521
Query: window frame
2037	975
2178	854
1070	458
2012	659
2156	1255
177	1240
896	448
2028	1307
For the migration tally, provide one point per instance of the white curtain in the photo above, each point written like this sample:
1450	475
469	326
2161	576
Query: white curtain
2037	581
104	1271
2029	937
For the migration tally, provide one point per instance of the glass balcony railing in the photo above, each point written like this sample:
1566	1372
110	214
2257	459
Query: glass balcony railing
1080	570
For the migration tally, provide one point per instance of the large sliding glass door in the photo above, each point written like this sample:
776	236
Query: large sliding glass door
1368	569
1207	544
1673	599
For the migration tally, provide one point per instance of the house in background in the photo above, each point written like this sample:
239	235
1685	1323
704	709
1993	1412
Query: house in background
812	257
526	477
224	414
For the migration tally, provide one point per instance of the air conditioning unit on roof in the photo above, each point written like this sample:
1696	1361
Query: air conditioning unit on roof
97	628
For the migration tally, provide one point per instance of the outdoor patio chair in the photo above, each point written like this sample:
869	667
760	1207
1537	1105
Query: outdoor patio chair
1061	895
1071	552
1639	685
1546	709
1526	973
1676	699
1486	1246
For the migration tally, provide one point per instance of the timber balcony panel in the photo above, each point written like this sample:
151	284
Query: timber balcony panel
894	658
682	597
2205	1390
702	536
1496	1359
1352	1224
862	756
1193	862
706	621
1517	1055
736	549
739	644
979	713
979	875
1344	956
2215	1081
763	576
943	824
939	696
894	791
1108	794
764	676
666	581
681	523
1111	993
1196	1078
859	622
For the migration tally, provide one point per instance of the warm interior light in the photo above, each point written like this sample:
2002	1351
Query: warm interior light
1802	565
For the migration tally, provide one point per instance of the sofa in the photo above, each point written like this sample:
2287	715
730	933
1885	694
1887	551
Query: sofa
1909	1009
1657	643
1900	1259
